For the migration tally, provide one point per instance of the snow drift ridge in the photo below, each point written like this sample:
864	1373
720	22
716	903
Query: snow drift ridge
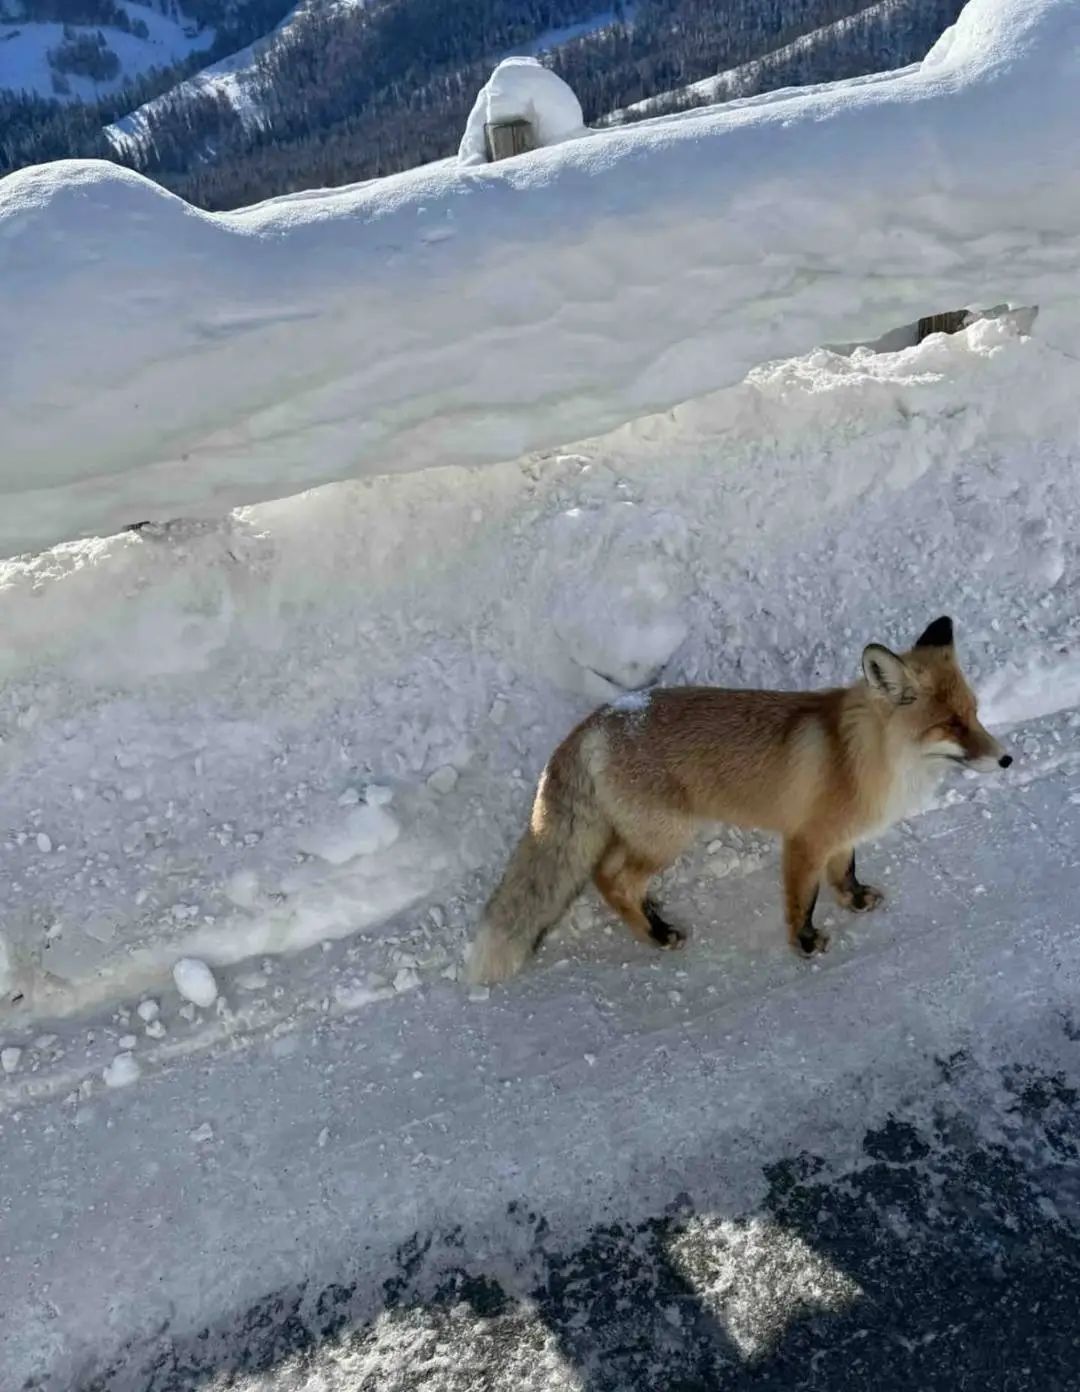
170	362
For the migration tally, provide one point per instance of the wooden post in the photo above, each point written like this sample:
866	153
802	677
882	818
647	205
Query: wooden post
952	321
508	138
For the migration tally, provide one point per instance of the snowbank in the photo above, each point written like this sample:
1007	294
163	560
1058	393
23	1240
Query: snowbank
171	363
322	718
522	89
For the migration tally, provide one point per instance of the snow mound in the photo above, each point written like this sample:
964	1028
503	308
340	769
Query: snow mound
173	363
522	89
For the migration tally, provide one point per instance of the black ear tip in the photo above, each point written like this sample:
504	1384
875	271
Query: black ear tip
939	634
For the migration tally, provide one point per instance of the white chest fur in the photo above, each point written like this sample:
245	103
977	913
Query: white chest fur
913	786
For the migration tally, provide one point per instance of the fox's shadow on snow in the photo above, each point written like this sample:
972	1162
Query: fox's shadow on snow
965	1255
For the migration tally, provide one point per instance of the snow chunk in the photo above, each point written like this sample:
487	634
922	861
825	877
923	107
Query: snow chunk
195	982
122	1072
522	89
443	780
44	842
148	1010
9	1059
406	980
632	702
367	830
7	968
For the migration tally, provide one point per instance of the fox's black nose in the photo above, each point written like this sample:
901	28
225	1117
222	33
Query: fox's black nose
1005	760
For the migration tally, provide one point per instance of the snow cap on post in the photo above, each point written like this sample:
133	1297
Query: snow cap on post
521	90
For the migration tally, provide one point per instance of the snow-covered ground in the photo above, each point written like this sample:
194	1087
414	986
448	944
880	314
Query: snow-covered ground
231	739
24	50
174	363
258	771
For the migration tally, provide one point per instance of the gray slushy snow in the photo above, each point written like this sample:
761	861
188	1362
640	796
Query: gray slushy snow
195	982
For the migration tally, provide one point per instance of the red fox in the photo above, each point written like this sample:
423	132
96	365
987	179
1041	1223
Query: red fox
628	789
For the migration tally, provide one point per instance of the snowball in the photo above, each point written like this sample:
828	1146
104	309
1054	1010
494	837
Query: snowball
195	982
123	1071
522	88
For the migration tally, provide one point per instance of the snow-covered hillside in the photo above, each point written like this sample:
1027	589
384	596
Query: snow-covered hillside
26	45
259	768
745	79
231	79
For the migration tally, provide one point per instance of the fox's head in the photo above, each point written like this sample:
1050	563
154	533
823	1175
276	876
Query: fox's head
927	695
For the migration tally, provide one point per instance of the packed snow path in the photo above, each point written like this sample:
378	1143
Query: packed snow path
421	1193
169	363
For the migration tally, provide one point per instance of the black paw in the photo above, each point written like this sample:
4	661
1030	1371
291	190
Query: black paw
811	941
865	899
660	930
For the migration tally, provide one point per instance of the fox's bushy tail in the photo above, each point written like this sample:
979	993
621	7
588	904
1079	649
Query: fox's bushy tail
566	836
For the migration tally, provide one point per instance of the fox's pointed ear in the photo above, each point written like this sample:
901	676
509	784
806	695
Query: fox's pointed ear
939	634
888	675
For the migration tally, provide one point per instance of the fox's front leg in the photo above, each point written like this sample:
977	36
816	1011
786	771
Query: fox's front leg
804	864
850	892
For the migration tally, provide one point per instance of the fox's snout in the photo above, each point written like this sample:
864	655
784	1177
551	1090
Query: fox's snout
984	754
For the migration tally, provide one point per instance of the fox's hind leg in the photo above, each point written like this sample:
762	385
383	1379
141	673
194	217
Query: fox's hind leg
851	893
622	877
